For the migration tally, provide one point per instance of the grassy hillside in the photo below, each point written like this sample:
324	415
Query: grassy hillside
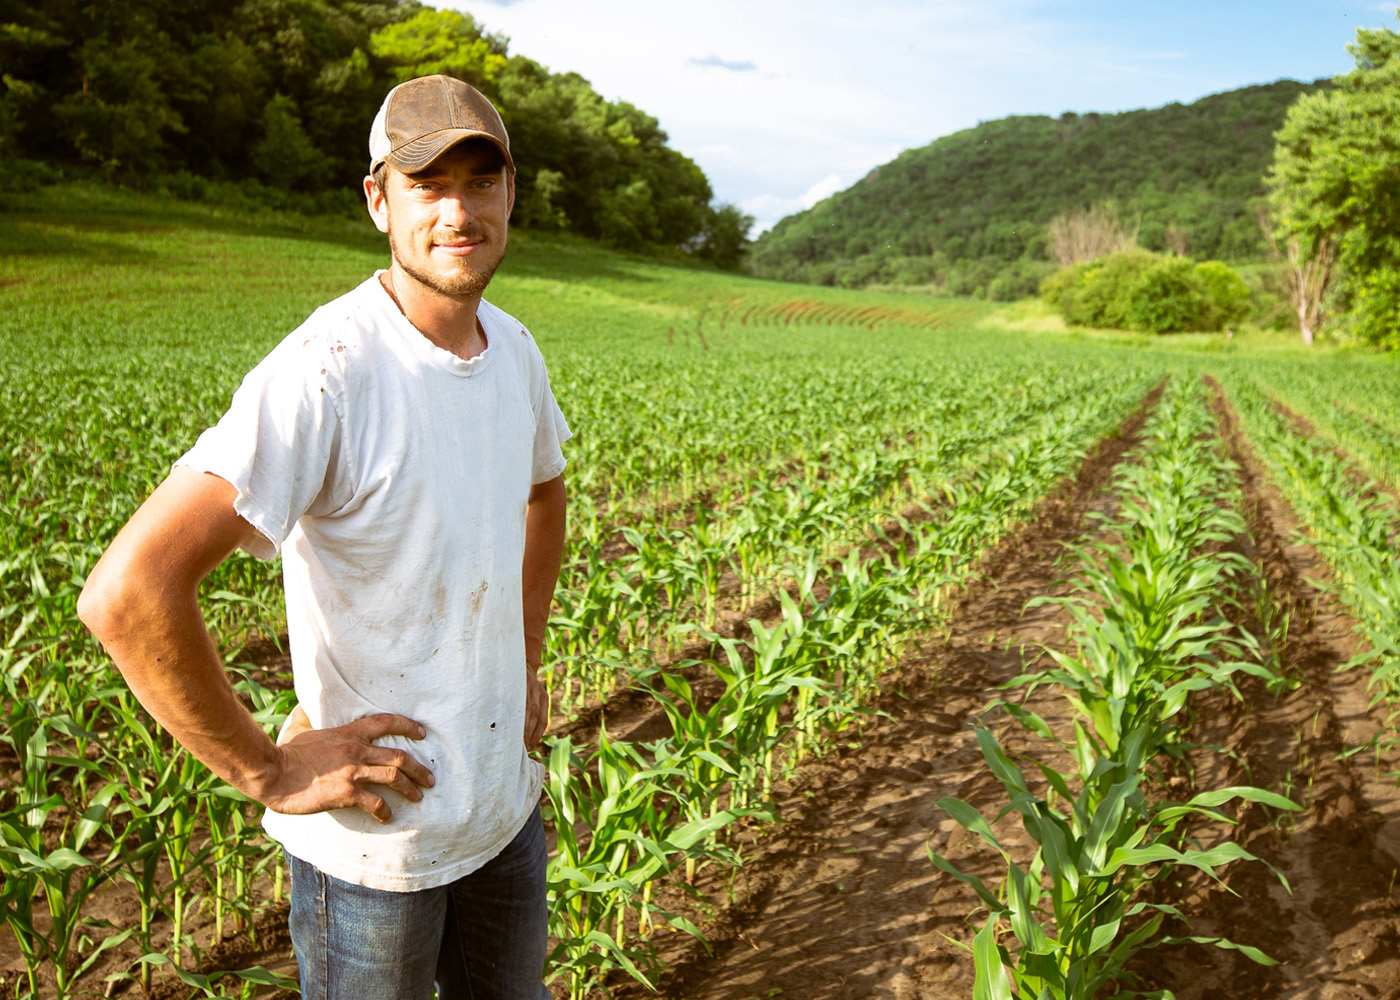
969	210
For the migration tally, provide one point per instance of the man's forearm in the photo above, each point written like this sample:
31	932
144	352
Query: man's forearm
159	642
140	600
545	522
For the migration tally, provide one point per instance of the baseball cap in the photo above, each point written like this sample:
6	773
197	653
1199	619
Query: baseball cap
422	118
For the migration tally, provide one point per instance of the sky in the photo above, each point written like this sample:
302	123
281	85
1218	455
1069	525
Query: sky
785	102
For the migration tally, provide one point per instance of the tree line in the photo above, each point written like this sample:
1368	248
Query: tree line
281	93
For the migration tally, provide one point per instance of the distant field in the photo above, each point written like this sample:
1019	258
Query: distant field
795	498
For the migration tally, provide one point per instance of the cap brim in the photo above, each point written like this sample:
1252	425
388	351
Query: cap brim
418	153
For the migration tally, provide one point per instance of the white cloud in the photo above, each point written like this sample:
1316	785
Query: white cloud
767	209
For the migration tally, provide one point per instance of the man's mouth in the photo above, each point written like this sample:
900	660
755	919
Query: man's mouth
457	246
459	243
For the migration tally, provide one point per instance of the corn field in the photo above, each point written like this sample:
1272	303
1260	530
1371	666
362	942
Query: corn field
780	500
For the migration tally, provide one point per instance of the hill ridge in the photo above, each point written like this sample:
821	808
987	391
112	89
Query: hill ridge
970	208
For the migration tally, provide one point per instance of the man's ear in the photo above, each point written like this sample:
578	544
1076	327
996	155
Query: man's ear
510	187
377	203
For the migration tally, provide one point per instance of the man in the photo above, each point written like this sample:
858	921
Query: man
401	450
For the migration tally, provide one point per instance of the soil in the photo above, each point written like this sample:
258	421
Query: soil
1338	932
840	900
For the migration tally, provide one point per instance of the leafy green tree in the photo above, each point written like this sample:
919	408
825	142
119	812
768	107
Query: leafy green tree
440	41
725	238
120	117
157	93
284	156
1336	179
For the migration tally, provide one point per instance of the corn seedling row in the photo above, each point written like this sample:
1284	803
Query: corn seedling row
1353	527
1146	632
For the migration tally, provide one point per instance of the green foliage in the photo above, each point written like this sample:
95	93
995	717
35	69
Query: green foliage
725	238
1168	297
440	41
1100	293
1227	294
284	155
283	91
1154	293
1336	177
981	199
1375	306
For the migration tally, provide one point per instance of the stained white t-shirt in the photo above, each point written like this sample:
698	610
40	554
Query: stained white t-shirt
393	477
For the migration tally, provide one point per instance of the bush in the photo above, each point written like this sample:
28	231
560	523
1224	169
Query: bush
1017	280
1104	294
1139	290
1375	311
1060	286
1226	292
1168	297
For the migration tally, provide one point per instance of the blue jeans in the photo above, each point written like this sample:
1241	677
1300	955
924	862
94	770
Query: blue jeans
482	937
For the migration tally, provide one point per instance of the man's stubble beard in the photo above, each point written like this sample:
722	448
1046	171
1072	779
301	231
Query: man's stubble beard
472	281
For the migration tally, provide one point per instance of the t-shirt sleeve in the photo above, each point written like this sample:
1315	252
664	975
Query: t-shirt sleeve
277	445
551	431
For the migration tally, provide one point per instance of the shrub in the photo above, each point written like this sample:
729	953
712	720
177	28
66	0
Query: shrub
1103	297
1168	297
1017	280
1140	290
1228	295
1375	312
1061	285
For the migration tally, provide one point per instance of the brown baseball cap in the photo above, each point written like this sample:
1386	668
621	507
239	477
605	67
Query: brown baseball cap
423	118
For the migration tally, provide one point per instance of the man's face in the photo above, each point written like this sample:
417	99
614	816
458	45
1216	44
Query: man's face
447	223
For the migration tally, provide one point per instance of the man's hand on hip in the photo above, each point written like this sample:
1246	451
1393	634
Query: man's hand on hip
321	769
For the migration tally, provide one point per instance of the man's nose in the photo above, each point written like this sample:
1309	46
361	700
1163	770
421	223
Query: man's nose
454	209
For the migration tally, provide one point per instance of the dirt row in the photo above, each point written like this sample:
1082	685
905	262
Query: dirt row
842	902
1338	932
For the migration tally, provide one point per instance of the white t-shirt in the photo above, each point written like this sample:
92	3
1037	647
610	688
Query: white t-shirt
393	476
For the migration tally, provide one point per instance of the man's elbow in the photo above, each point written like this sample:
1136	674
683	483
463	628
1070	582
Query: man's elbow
101	603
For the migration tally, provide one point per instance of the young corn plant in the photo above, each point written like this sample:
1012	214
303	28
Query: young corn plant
619	830
1074	911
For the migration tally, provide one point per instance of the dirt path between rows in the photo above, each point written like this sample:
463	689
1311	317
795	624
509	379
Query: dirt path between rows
841	900
1338	933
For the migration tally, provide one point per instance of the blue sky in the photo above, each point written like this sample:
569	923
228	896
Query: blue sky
783	102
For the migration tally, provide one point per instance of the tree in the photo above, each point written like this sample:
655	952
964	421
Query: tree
1305	277
1081	237
725	238
1335	188
441	41
285	156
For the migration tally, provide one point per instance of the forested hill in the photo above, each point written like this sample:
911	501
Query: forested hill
958	211
175	94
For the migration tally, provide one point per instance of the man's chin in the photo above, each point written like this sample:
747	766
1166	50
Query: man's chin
457	282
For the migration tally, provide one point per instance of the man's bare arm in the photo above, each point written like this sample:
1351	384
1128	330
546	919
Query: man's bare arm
140	600
544	553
